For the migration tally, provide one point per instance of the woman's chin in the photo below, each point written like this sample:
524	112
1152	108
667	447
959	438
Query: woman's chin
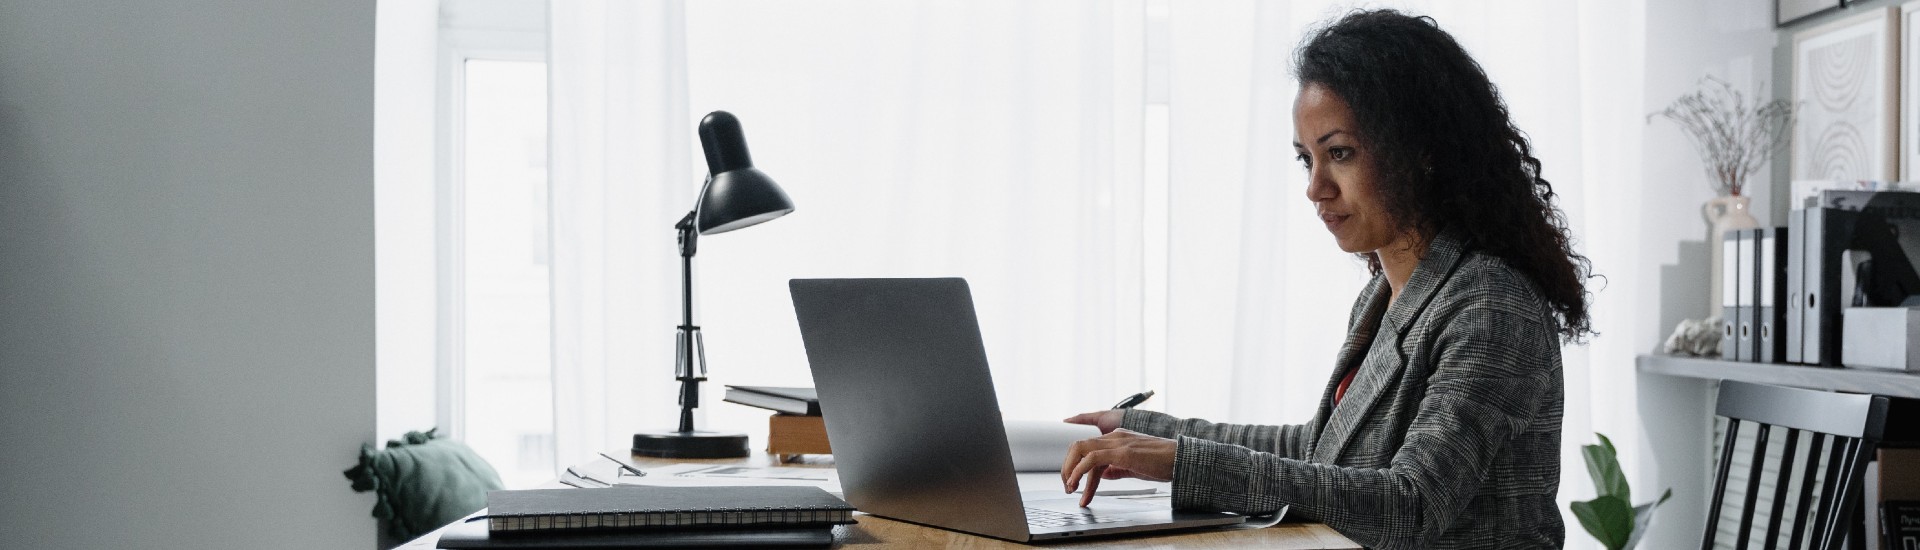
1350	247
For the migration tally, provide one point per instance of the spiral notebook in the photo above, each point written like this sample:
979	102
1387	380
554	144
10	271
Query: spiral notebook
640	507
461	536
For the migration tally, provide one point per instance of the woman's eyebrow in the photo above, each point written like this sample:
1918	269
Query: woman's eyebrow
1323	139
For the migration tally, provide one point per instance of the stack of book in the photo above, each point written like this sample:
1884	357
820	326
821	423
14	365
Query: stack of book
654	517
796	427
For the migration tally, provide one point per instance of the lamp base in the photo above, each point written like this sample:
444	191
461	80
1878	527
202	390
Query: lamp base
694	444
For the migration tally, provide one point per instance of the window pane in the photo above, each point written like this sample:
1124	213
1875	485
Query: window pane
508	389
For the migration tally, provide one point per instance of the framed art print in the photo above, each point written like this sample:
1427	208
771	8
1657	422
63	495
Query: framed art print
1788	11
1909	91
1845	84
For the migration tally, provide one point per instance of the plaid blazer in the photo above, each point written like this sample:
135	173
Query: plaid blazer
1448	437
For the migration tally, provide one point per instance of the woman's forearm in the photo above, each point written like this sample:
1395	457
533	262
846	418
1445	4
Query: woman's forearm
1288	441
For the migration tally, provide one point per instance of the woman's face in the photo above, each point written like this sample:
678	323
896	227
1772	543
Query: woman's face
1342	178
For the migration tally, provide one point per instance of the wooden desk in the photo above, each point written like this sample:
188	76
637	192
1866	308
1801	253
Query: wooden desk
878	532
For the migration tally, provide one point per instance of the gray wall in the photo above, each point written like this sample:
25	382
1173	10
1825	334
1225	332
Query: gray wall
186	273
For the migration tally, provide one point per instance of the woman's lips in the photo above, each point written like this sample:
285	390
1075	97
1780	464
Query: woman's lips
1332	220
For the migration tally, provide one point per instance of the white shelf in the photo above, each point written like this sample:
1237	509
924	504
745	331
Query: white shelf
1878	382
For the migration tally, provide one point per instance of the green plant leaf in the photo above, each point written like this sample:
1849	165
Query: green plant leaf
1643	518
1609	519
1604	467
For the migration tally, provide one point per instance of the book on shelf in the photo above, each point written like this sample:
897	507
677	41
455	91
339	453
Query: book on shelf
1900	523
793	434
644	507
1893	498
800	401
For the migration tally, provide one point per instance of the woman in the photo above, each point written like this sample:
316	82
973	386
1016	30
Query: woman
1440	424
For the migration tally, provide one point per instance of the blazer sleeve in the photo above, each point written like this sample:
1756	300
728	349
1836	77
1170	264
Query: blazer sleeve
1490	380
1287	441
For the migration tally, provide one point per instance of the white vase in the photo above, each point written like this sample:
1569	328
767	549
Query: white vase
1723	214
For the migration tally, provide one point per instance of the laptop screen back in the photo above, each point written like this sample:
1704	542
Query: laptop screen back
909	402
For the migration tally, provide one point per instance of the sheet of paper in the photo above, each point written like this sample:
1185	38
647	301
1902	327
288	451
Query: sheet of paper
1041	445
727	471
708	475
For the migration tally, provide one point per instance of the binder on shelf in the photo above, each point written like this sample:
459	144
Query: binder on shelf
1729	294
1771	321
1828	233
1794	304
1746	286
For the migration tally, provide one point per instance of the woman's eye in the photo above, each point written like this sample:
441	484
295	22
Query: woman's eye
1304	161
1340	153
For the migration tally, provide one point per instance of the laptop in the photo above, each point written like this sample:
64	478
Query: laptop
916	430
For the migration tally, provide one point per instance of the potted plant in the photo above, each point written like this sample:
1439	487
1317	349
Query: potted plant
1611	517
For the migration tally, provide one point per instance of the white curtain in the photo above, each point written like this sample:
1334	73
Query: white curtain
925	139
619	160
1018	144
917	139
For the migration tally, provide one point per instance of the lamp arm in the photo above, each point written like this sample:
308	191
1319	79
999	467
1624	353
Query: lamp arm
690	366
689	238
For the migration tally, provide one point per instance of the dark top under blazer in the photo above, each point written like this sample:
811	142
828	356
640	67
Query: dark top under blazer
1449	436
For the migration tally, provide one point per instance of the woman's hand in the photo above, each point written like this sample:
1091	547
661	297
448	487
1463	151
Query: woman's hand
1118	454
1107	420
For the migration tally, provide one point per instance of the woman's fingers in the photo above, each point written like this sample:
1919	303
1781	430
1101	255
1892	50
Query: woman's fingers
1075	452
1087	464
1106	420
1079	450
1093	484
1090	419
1113	456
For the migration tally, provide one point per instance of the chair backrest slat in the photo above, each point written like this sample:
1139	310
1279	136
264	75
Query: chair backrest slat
1825	509
1754	473
1847	495
1781	485
1719	484
1806	491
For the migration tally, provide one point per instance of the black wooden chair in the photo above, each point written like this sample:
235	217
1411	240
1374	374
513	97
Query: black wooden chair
1845	430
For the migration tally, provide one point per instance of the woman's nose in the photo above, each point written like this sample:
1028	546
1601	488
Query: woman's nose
1319	187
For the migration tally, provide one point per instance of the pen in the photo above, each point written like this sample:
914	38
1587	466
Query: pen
1133	400
624	466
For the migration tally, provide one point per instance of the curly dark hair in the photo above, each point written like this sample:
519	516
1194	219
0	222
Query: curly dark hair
1447	150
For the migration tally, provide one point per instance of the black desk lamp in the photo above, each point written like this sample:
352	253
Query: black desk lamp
735	195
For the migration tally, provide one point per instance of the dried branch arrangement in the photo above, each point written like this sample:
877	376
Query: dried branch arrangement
1734	137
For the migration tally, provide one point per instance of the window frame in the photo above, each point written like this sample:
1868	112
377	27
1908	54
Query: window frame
457	46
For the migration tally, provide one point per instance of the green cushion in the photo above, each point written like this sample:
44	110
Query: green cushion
422	482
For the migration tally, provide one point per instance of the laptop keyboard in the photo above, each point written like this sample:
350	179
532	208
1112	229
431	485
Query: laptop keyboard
1048	518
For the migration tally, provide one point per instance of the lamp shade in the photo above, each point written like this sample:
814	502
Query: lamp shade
739	198
736	194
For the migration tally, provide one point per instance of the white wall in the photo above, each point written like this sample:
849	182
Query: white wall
1667	280
404	223
186	273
